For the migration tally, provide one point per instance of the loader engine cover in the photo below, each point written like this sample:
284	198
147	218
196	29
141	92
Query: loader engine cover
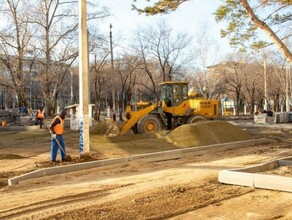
206	108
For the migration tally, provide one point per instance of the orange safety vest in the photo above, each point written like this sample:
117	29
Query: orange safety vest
41	114
59	128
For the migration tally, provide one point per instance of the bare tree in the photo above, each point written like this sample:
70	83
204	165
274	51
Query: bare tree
39	44
205	50
280	80
231	75
99	79
128	69
15	37
252	90
57	43
168	53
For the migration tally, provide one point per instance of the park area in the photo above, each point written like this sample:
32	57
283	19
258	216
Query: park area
182	186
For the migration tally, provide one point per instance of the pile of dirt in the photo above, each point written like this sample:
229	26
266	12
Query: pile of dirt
108	127
206	133
99	128
10	156
281	171
190	135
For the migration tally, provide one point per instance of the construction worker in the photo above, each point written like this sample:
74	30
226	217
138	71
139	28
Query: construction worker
40	116
57	142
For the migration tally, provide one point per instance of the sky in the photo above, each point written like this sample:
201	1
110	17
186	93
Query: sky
188	18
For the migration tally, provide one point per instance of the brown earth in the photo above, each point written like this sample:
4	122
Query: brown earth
182	187
281	171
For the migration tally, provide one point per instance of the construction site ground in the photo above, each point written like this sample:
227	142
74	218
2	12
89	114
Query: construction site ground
182	187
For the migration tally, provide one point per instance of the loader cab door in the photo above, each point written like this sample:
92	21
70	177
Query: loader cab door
166	95
174	94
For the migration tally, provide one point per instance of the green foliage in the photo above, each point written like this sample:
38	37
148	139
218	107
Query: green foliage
160	7
221	13
241	31
232	12
259	44
231	27
273	16
277	18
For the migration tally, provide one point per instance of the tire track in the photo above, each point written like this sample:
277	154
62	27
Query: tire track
67	202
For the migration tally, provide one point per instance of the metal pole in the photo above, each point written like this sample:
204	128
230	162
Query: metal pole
112	66
287	89
83	81
265	83
71	87
30	88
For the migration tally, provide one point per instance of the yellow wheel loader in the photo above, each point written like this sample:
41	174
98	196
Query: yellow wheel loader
176	107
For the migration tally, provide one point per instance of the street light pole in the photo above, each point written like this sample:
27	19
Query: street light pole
287	88
83	81
265	83
112	67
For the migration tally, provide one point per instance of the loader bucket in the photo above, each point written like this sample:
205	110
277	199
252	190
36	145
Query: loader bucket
135	116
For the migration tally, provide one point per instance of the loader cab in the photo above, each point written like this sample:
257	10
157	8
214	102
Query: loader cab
174	93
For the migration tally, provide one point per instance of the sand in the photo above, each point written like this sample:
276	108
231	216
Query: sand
182	187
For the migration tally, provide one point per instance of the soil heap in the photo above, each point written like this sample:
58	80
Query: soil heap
108	127
206	133
197	134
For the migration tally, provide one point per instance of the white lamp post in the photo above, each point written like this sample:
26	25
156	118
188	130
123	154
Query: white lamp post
112	66
83	80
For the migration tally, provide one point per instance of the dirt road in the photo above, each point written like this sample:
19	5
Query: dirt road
183	187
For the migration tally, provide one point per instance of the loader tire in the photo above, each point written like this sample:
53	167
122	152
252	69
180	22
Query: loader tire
195	119
134	129
149	124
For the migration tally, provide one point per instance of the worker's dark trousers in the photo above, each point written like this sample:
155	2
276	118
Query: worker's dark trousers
40	122
55	148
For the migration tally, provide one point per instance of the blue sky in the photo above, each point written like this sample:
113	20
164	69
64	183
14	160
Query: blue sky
188	18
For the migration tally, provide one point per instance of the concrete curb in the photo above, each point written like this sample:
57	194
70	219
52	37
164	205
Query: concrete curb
252	177
161	155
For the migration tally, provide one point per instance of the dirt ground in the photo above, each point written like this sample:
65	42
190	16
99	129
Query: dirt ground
182	187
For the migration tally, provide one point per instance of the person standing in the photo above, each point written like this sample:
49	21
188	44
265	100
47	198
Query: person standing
40	116
74	120
57	142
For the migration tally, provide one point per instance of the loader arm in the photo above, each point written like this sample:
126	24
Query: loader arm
135	117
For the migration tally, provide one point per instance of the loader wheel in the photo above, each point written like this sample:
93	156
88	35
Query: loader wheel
134	129
195	119
149	124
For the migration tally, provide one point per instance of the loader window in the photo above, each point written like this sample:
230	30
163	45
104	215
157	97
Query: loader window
166	95
180	92
176	92
185	91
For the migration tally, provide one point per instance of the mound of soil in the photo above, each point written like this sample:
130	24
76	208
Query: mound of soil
99	128
281	171
108	127
206	133
10	156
